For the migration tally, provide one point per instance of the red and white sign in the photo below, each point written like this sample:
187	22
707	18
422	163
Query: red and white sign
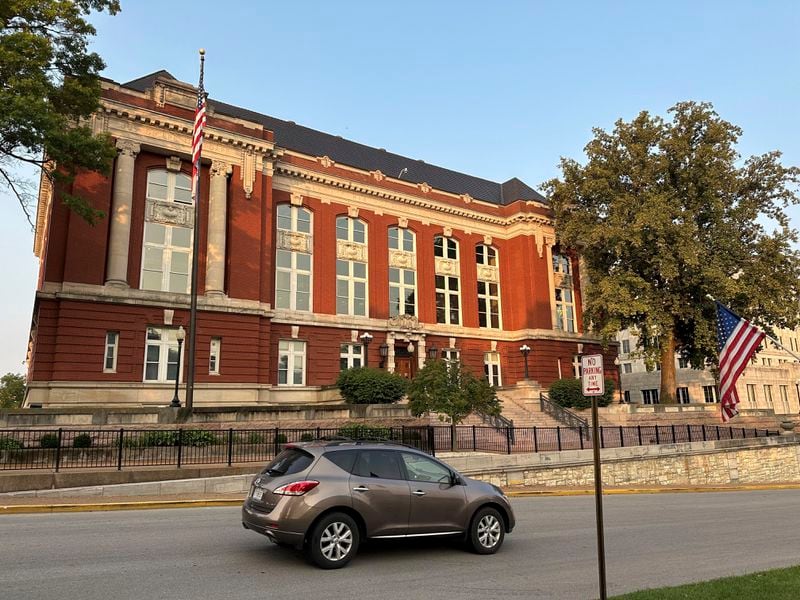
592	375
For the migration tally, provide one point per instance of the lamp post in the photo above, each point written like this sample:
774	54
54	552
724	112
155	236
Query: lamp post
383	350
619	375
366	338
525	349
433	352
180	335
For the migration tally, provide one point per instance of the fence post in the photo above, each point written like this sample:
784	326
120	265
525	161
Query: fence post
230	446
717	432
180	446
431	440
689	432
275	441
621	437
639	430
318	432
673	433
558	436
535	440
119	450
704	433
508	440
602	439
58	450
474	440
580	435
452	437
658	437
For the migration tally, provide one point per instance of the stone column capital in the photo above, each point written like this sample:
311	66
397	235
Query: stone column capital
220	169
128	148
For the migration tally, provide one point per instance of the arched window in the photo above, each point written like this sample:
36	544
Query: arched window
402	272
166	248
445	247
351	267
292	260
488	286
448	286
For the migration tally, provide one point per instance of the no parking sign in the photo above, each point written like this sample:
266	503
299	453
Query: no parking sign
592	375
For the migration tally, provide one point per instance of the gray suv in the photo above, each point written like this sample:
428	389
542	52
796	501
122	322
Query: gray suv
327	496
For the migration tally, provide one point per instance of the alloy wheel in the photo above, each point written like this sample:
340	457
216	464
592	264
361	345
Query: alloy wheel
336	541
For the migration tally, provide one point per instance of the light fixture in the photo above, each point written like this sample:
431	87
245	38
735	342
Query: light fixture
180	335
410	347
525	349
366	338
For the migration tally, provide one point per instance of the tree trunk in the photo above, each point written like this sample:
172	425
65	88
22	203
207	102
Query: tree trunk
668	381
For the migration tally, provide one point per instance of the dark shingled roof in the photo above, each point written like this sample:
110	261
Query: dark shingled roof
316	143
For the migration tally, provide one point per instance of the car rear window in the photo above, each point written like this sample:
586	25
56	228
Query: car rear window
288	462
343	459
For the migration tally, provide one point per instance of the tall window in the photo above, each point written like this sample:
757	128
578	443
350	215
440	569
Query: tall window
768	395
682	394
351	356
110	356
650	396
402	281
626	346
710	394
627	396
291	362
448	292
293	267
751	394
488	290
565	310
561	264
491	368
784	398
161	354
351	275
214	351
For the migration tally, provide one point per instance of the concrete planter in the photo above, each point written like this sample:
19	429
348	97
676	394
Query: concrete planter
787	427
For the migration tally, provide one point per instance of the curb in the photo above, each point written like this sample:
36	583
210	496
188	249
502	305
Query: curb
161	504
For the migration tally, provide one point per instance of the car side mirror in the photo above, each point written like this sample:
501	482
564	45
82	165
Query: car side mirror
455	479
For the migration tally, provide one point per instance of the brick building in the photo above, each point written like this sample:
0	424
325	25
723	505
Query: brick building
309	245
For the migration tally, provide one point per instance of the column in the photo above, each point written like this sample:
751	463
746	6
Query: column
217	211
421	351
121	203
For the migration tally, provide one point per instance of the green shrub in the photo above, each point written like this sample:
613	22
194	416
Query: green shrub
49	440
371	386
569	394
8	443
306	437
83	440
359	431
195	437
189	437
255	437
280	438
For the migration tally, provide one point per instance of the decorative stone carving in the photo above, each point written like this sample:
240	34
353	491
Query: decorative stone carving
447	266
487	273
424	187
402	222
494	345
295	331
487	239
448	232
294	241
377	175
539	237
351	251
466	198
399	259
99	123
173	164
220	169
352	211
249	166
168	315
170	213
325	161
128	148
404	323
296	199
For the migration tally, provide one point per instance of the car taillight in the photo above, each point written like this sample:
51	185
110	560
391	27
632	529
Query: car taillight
298	488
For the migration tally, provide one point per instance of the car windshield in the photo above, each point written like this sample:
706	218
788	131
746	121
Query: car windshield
288	462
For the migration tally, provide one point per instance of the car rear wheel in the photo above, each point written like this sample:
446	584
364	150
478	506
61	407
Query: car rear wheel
334	541
486	532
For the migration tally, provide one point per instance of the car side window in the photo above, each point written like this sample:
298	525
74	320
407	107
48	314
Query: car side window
382	464
343	459
420	468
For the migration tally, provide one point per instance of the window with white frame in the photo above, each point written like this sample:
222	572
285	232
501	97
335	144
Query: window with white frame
751	394
710	394
351	275
110	355
682	395
488	291
448	300
577	366
445	247
166	249
491	368
565	310
683	363
351	356
561	264
784	390
402	281
161	354
214	352
450	355
650	396
626	346
291	362
293	267
768	395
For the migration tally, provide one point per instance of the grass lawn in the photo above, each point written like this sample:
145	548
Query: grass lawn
780	584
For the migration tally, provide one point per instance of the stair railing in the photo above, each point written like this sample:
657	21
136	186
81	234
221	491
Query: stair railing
560	413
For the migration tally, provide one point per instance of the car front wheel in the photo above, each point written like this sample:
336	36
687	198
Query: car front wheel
486	532
334	541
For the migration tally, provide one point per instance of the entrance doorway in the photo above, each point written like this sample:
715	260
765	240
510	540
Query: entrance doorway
403	362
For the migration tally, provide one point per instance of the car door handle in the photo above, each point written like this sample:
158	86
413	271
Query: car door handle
418	493
361	488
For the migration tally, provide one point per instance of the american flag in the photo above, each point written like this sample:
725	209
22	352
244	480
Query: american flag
197	134
737	340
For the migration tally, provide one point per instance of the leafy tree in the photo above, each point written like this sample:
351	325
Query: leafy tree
371	386
49	87
12	390
451	389
664	213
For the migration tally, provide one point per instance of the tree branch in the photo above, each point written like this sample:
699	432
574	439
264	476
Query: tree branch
20	198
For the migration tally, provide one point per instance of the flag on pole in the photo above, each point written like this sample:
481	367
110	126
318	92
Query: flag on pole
197	133
737	340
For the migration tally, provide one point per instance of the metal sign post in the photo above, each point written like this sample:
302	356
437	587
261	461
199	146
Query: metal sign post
594	385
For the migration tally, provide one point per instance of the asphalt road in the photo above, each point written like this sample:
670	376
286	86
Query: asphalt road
651	541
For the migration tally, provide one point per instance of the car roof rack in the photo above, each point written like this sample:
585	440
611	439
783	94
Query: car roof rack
340	441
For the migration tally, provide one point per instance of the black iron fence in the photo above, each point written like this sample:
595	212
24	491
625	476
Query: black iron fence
104	448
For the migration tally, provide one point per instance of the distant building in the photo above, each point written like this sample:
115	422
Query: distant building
316	254
771	380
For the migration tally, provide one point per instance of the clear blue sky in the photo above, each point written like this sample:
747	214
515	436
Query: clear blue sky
497	89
